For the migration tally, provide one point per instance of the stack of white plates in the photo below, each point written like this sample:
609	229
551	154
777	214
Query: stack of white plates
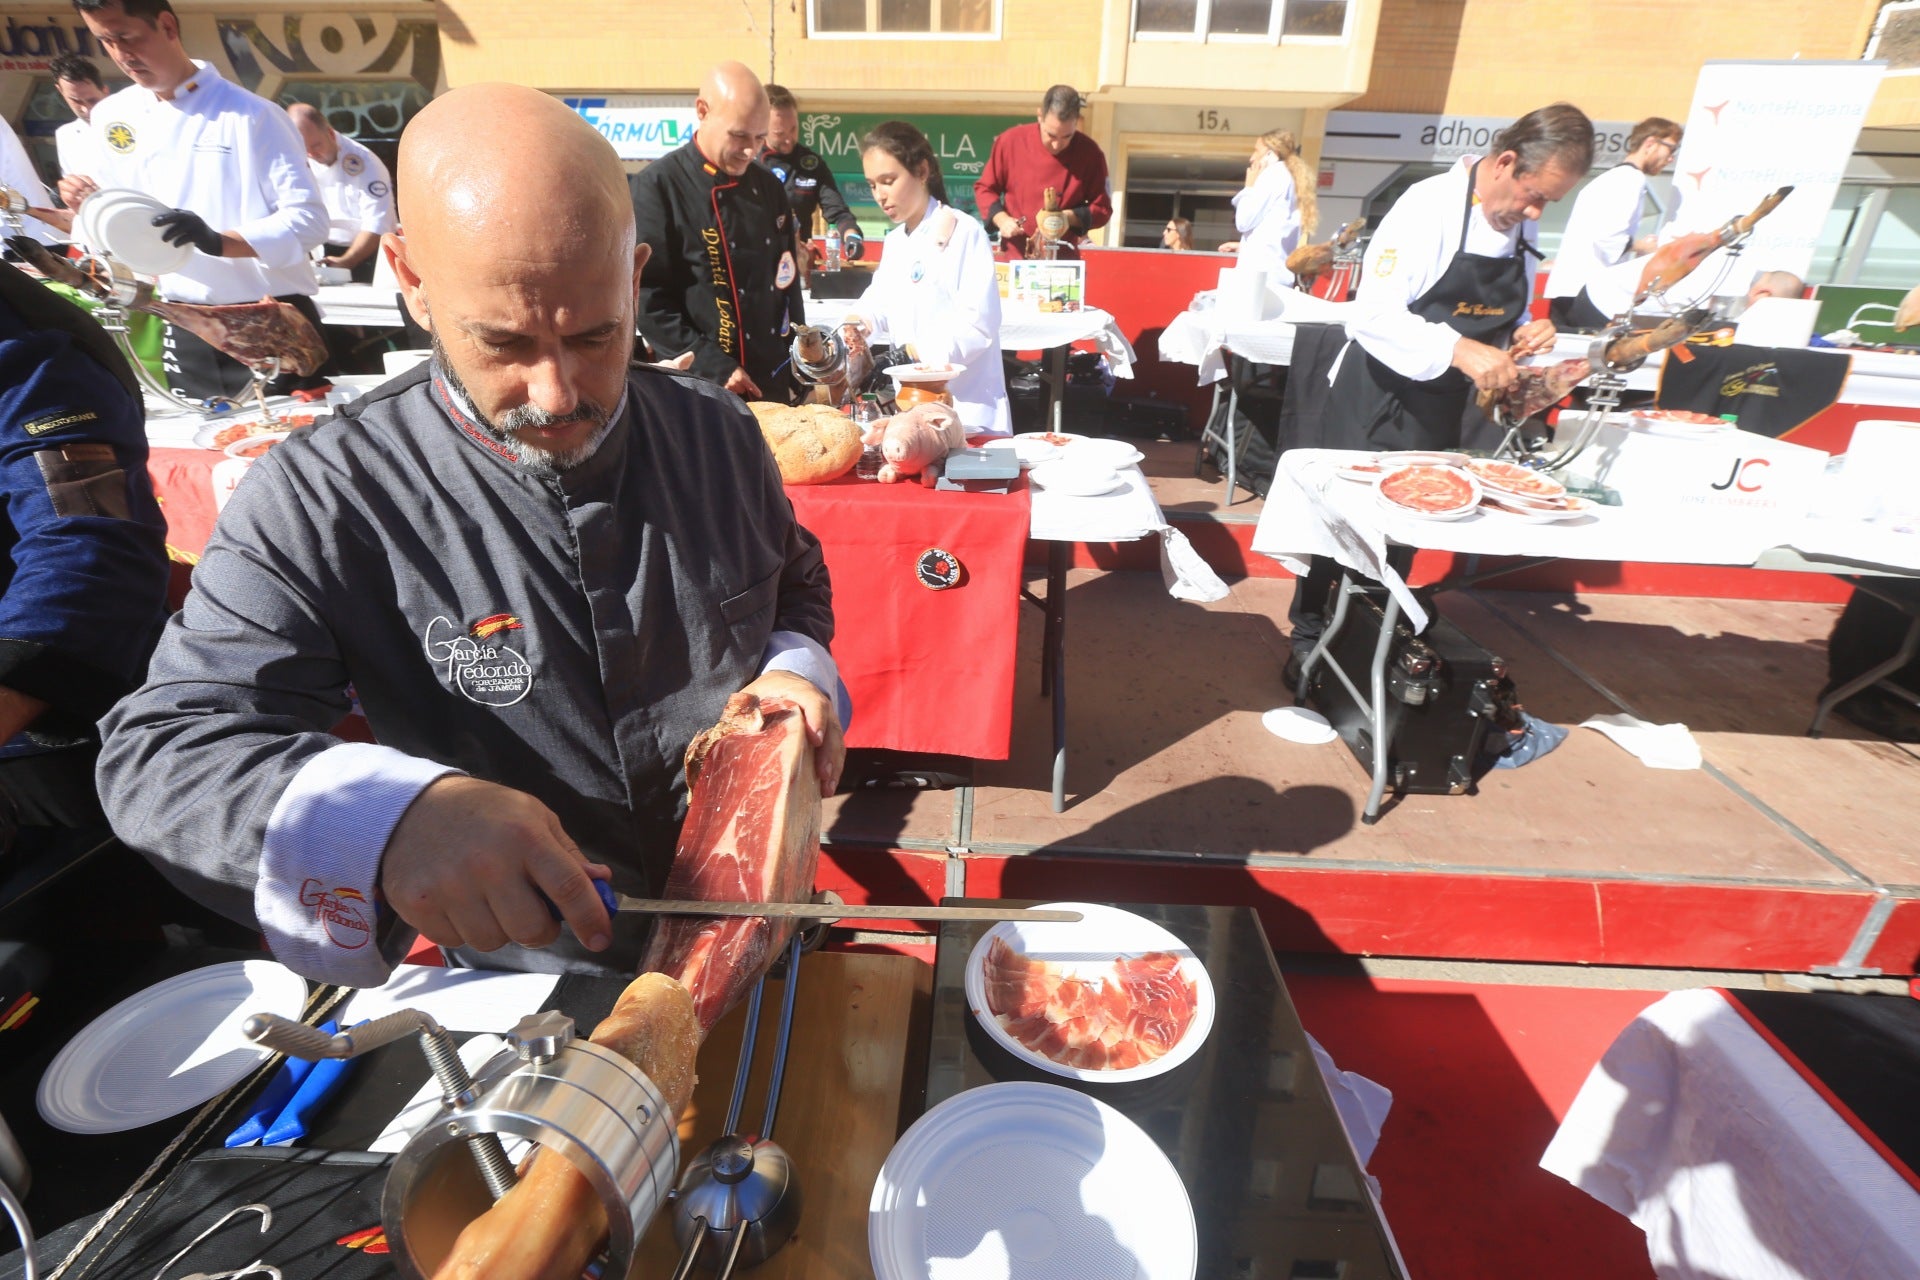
1076	480
1108	453
120	222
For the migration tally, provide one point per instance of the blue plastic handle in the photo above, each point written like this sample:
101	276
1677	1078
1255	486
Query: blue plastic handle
608	899
291	1124
273	1098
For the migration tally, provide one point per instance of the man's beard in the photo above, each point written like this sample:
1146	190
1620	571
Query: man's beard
532	457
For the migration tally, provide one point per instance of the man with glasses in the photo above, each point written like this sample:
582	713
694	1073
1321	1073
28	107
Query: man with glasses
722	281
1602	231
1029	158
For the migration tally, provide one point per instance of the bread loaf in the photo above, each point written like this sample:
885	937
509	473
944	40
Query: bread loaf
811	443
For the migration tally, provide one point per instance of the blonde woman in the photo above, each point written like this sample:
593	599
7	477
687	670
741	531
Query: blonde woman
1276	209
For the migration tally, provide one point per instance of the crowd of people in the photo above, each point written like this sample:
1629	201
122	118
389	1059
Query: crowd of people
546	558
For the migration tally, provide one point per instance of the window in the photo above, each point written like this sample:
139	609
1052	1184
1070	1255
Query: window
1248	21
909	19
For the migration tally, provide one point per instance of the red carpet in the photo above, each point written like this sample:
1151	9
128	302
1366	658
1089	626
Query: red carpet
1480	1077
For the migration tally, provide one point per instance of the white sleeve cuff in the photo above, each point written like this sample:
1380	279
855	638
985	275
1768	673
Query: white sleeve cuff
808	659
320	863
283	238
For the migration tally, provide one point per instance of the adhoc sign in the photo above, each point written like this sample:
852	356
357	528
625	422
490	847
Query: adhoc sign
28	43
1386	135
961	144
640	128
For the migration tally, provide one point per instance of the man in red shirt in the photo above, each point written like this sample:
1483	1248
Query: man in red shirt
1029	158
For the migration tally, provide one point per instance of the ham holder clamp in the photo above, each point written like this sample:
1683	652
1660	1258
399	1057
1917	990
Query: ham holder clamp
740	1198
1619	348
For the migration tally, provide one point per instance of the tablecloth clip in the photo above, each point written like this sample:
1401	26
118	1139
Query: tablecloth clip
254	1268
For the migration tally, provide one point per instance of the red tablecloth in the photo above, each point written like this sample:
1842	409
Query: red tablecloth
183	481
928	670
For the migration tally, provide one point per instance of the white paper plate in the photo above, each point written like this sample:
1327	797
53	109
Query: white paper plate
208	436
1670	426
1453	513
1043	437
1298	724
1074	480
1107	453
1500	484
1088	947
1019	1180
921	372
121	222
167	1049
1580	509
1421	458
1033	451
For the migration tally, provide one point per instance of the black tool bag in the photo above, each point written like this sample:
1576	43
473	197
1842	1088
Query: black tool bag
326	1218
1443	693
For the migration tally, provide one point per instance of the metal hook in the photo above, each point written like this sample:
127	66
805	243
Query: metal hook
254	1268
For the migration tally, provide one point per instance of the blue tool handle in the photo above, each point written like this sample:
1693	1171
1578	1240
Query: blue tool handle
274	1098
291	1124
608	899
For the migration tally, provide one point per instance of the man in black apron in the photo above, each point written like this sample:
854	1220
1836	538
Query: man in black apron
1443	305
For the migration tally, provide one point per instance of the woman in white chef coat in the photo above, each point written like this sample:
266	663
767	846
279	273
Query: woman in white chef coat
935	290
1276	209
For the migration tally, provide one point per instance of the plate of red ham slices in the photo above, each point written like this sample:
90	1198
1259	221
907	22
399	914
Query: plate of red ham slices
1110	998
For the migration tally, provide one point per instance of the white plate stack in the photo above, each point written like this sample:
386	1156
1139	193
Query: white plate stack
119	221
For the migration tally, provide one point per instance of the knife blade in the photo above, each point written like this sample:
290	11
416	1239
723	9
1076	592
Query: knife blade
820	910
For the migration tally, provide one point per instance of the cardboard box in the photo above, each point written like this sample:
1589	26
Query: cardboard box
1721	472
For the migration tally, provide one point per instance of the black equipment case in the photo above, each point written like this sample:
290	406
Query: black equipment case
1444	693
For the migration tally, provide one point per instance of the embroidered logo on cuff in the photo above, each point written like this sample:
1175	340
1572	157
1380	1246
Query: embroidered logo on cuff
344	913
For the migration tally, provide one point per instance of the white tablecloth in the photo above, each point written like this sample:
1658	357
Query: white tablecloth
374	306
1204	337
1022	329
1125	515
1694	1128
1310	511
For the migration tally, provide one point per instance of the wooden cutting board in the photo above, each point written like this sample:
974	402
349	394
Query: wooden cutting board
859	1037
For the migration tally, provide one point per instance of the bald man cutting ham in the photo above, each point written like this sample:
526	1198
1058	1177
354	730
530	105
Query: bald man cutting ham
721	281
541	570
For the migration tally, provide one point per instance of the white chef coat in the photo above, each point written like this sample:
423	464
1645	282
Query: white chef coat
17	172
946	303
233	158
1267	216
1411	250
1600	229
73	142
358	191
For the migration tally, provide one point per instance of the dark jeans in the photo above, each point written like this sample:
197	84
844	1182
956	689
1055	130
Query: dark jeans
51	789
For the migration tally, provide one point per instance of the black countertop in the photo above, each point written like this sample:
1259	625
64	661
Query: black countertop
1247	1121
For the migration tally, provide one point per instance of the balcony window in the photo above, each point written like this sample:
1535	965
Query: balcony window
909	19
1262	21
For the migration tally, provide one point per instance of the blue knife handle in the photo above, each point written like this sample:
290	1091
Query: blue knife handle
608	899
291	1124
279	1090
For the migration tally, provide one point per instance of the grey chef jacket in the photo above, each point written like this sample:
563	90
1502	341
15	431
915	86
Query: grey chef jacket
563	635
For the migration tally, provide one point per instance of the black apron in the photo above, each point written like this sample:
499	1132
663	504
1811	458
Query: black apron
1481	298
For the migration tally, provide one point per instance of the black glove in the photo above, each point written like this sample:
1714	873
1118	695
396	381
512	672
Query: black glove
852	245
182	226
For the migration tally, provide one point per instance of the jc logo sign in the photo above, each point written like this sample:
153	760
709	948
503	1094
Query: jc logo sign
1741	478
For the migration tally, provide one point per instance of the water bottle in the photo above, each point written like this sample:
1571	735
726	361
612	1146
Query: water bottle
833	248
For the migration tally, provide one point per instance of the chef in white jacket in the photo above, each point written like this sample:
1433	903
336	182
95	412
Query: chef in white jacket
935	290
1276	208
230	166
1602	230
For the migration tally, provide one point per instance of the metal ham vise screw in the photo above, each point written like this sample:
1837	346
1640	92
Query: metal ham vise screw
570	1096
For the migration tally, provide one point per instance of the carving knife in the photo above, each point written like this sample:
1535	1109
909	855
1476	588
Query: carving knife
819	910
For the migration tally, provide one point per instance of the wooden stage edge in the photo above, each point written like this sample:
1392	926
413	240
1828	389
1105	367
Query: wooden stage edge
1675	922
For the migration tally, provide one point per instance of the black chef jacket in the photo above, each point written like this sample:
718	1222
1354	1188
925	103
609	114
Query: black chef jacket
721	281
810	186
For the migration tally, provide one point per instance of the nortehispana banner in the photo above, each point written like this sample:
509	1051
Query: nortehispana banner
1758	126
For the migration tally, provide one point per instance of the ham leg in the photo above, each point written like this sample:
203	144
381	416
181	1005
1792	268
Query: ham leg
752	834
250	332
1535	389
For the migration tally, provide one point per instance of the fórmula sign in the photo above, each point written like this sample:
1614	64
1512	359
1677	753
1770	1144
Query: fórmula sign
640	128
